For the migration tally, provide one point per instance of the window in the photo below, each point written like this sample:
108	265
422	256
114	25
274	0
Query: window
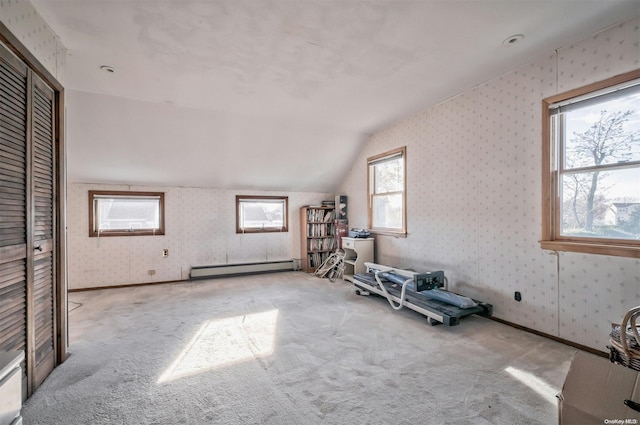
591	152
115	213
258	214
387	192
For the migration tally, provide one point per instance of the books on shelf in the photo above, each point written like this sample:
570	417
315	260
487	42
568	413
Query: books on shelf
320	215
317	230
318	234
322	244
315	259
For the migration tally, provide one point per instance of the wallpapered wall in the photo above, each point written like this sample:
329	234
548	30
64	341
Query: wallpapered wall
474	197
200	229
27	25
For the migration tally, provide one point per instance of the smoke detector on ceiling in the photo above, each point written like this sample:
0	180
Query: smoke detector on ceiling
108	69
514	39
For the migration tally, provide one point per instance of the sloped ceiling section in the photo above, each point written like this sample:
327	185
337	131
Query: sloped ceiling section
279	94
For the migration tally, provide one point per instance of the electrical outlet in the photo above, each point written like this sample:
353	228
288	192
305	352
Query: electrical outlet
165	252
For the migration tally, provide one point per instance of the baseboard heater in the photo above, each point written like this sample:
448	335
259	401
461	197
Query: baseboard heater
227	270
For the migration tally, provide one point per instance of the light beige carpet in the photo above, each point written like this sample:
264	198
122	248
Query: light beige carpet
289	348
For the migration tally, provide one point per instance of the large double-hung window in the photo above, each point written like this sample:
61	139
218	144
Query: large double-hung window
591	191
387	192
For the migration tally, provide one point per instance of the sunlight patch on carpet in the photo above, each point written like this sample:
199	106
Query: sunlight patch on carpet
223	342
530	380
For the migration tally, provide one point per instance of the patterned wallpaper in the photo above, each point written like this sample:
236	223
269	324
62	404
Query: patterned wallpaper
473	170
473	199
200	230
603	55
28	26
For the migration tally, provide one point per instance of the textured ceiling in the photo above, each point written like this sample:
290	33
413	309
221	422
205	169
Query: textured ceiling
272	81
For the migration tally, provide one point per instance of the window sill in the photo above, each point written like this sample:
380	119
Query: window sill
593	248
253	231
388	233
105	234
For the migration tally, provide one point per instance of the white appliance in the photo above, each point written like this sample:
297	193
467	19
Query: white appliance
10	387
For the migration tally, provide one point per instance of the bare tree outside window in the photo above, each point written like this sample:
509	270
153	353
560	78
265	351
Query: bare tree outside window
591	168
600	172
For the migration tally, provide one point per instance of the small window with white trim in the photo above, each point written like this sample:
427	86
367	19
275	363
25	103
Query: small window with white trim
122	213
260	214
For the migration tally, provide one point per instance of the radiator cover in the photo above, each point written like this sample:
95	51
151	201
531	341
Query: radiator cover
226	270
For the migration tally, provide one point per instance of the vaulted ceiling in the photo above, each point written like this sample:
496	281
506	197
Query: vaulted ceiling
279	94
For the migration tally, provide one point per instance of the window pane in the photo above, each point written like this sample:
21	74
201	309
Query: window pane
387	211
388	176
603	133
128	214
261	215
602	204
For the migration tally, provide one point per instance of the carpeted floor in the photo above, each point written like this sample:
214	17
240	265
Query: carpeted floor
289	348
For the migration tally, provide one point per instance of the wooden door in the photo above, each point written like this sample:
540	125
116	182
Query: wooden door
42	226
27	219
13	206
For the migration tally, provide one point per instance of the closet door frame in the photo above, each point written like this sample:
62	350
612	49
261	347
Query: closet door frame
59	213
